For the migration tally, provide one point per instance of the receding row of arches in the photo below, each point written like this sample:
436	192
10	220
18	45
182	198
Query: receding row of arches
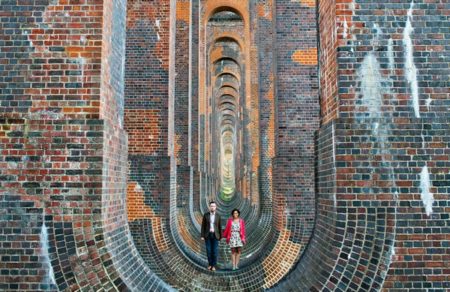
222	113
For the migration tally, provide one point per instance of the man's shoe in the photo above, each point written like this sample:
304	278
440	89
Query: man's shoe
213	269
209	268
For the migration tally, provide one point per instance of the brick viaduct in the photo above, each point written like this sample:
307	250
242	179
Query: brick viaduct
325	122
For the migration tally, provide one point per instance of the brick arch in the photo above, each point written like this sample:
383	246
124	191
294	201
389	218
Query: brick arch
227	105
228	98
229	90
185	236
229	37
227	127
228	113
234	74
226	58
228	119
237	6
220	55
232	70
64	155
226	85
234	85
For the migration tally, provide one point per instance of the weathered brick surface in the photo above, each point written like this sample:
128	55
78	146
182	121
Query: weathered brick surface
328	65
146	76
372	226
331	157
58	51
297	120
146	121
406	59
57	172
181	104
58	157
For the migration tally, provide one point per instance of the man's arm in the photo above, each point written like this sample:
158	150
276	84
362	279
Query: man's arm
203	227
220	227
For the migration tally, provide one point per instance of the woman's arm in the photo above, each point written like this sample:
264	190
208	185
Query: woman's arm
227	229
243	235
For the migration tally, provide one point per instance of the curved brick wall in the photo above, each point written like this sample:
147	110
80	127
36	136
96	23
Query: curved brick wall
372	230
109	134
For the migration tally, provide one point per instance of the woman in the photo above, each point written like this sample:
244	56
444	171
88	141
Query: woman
235	236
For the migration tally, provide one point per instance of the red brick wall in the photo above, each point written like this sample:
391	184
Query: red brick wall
329	104
60	51
56	156
126	224
146	76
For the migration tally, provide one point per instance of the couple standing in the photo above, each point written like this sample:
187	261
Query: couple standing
211	233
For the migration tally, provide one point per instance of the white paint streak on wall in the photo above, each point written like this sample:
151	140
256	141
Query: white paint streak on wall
50	277
371	84
378	29
410	67
390	54
428	102
345	29
425	195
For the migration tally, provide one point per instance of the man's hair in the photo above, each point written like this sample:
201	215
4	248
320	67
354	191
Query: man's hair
212	202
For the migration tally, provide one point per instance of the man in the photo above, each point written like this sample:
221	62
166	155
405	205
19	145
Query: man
211	233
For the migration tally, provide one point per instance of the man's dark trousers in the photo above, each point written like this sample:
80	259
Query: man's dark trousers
212	245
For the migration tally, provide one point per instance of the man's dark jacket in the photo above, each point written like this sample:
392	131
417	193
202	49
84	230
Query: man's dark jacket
217	226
